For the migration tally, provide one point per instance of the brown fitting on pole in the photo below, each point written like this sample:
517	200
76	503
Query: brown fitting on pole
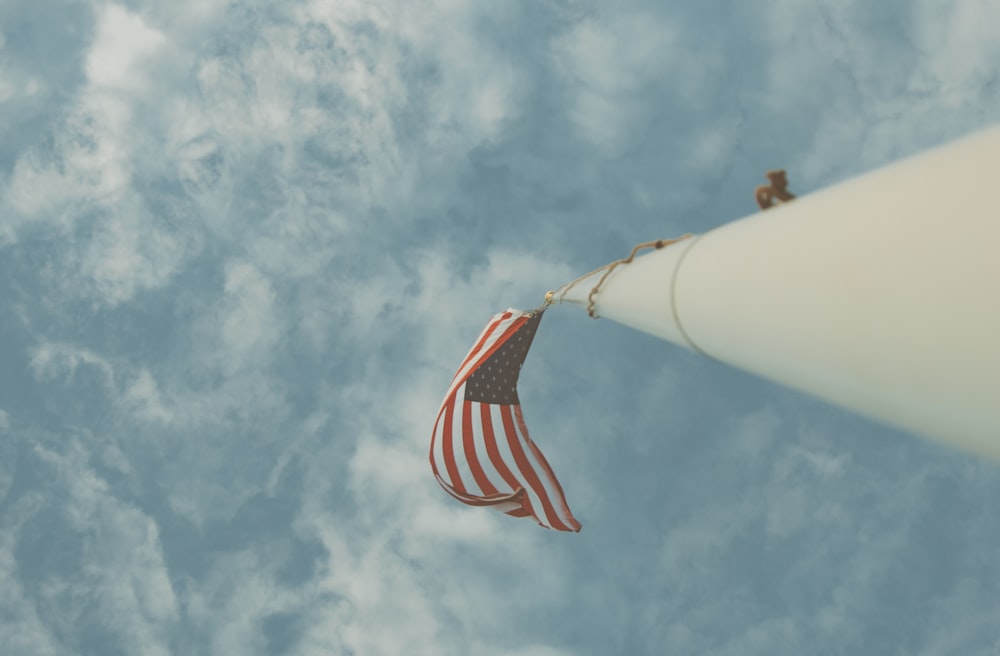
775	193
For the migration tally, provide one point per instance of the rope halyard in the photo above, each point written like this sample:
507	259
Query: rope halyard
557	296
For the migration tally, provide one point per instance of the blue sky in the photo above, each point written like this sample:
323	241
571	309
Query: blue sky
244	245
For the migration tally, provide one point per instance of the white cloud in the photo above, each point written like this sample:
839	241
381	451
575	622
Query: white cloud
144	395
371	584
693	544
608	62
121	572
22	631
56	361
84	177
479	86
231	604
140	396
249	325
88	164
129	253
123	42
540	650
965	39
93	144
16	83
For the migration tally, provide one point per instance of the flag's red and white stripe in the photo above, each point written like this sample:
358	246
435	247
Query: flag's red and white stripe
481	453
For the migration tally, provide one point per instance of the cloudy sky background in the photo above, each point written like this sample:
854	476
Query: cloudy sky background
244	245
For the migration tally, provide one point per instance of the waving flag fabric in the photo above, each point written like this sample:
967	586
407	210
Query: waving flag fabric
480	450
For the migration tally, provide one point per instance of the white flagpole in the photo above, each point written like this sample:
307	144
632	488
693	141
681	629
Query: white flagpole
880	294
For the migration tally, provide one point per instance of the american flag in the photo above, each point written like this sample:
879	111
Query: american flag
480	450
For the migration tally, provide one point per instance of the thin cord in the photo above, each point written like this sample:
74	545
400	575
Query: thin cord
557	296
